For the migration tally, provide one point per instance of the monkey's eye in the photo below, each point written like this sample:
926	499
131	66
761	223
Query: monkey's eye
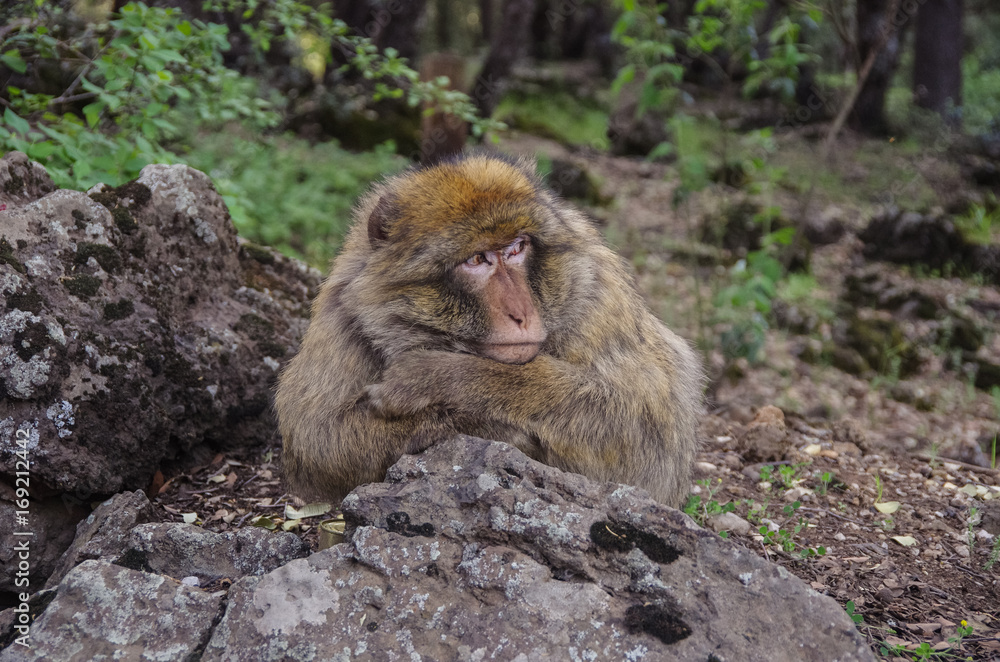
477	260
517	247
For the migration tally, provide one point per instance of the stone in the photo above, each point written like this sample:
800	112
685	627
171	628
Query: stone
180	550
729	522
766	438
104	534
473	551
105	612
138	305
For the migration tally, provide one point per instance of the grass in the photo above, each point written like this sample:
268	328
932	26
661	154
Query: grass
558	116
286	193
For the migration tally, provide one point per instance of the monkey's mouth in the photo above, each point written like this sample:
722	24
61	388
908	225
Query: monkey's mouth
516	353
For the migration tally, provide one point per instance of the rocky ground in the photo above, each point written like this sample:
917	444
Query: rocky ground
874	484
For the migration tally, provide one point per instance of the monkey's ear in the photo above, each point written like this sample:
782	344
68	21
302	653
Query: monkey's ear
382	215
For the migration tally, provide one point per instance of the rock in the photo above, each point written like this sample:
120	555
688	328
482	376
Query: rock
180	550
632	134
571	180
989	513
766	438
136	305
931	240
882	345
104	534
473	551
104	612
911	238
50	536
850	431
22	181
729	522
827	228
913	394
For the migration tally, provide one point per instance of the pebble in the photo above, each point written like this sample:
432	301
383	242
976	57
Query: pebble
729	522
797	494
839	537
706	467
191	581
963	551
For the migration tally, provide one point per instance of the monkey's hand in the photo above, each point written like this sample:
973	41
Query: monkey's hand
413	382
420	379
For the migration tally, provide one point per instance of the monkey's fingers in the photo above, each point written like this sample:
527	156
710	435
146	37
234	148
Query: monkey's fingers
393	400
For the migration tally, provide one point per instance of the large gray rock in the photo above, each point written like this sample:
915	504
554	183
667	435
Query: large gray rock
472	551
105	532
134	329
183	550
106	612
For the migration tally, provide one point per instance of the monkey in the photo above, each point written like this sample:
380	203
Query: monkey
468	299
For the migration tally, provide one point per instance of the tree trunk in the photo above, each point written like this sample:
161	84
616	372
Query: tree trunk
937	58
509	42
868	114
486	19
388	24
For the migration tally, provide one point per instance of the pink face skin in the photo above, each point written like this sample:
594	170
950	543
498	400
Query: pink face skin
500	277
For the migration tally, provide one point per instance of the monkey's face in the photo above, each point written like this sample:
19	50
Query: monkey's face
499	279
456	250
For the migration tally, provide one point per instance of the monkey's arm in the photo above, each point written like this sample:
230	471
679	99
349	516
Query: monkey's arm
545	390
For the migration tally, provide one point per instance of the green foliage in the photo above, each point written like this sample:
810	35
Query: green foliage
825	479
142	75
980	223
994	554
702	509
745	304
925	652
148	77
856	617
657	53
557	115
288	194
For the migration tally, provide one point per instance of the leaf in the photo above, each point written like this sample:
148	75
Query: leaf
184	27
190	518
264	522
12	59
41	150
970	489
17	124
905	541
887	507
309	510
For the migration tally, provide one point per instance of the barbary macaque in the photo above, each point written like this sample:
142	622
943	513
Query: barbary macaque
468	299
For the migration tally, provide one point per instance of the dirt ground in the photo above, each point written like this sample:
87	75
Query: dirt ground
876	490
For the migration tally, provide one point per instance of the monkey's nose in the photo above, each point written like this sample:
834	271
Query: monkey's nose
517	320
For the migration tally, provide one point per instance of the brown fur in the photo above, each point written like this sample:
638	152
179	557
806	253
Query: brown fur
389	363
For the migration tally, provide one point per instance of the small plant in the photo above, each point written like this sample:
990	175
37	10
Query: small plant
755	513
856	617
994	554
785	536
925	652
766	474
701	510
825	479
790	474
970	531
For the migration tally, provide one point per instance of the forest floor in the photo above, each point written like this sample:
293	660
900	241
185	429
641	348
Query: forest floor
875	488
